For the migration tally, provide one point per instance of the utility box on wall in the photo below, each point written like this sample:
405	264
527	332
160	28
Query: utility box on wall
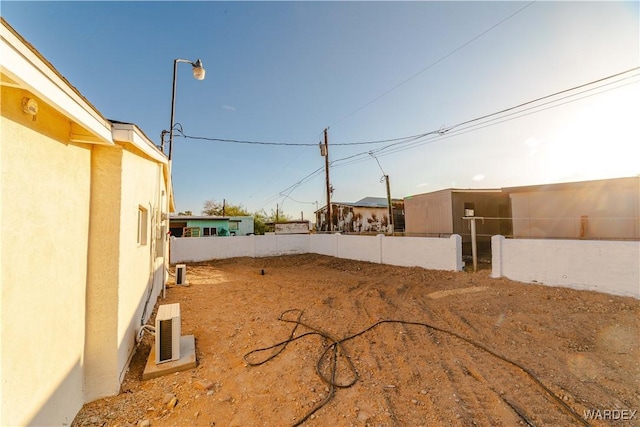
168	333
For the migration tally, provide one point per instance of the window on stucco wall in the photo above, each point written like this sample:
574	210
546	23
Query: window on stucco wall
143	215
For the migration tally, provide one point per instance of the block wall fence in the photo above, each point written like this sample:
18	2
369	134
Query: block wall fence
429	253
611	267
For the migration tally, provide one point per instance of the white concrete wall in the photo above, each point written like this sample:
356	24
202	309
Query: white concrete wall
605	266
431	253
324	244
360	248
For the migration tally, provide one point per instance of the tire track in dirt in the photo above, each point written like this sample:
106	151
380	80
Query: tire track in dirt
404	394
581	345
461	362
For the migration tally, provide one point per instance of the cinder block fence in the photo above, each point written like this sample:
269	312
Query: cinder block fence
611	267
429	253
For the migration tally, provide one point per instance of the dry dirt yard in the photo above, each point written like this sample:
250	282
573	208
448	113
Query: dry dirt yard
480	351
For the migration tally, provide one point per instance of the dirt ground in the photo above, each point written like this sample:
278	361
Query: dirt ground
480	351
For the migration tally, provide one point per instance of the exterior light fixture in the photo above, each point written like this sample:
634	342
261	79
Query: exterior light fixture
198	74
198	70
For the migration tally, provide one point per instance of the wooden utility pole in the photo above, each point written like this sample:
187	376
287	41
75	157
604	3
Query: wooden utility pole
386	177
324	150
224	206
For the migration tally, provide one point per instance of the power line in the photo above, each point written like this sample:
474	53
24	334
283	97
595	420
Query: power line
180	131
548	96
452	131
433	63
481	122
412	138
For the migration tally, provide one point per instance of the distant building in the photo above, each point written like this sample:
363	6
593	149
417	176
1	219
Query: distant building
208	226
440	214
368	215
288	227
600	209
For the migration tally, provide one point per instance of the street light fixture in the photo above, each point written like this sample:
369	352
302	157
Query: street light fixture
198	74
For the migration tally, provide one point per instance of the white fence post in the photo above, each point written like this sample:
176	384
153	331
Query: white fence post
497	242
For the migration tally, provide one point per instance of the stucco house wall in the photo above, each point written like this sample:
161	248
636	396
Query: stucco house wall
45	217
141	272
75	279
125	274
245	225
41	239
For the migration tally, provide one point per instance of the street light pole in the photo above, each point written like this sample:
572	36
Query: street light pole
198	74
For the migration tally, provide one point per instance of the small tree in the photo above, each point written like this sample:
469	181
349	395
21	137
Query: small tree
280	217
259	220
214	208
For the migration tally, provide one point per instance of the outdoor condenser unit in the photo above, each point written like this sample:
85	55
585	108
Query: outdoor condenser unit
181	274
168	333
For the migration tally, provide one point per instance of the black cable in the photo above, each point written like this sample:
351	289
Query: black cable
408	142
451	131
336	346
410	138
294	144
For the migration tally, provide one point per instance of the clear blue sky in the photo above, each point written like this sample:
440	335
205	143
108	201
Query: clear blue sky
282	72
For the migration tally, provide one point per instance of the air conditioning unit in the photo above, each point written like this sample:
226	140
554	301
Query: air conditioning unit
181	274
168	333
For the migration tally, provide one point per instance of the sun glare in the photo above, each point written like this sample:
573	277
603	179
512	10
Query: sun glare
601	140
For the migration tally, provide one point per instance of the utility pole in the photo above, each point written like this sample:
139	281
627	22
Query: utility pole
390	205
224	205
324	151
277	213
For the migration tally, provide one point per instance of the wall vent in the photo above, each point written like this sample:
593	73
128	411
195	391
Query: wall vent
168	333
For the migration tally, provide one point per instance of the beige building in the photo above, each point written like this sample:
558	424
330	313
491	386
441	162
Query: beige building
440	214
602	209
84	214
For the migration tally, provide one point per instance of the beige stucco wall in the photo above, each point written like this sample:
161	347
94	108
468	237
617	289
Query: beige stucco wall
612	209
74	279
45	224
123	274
140	270
101	362
428	214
